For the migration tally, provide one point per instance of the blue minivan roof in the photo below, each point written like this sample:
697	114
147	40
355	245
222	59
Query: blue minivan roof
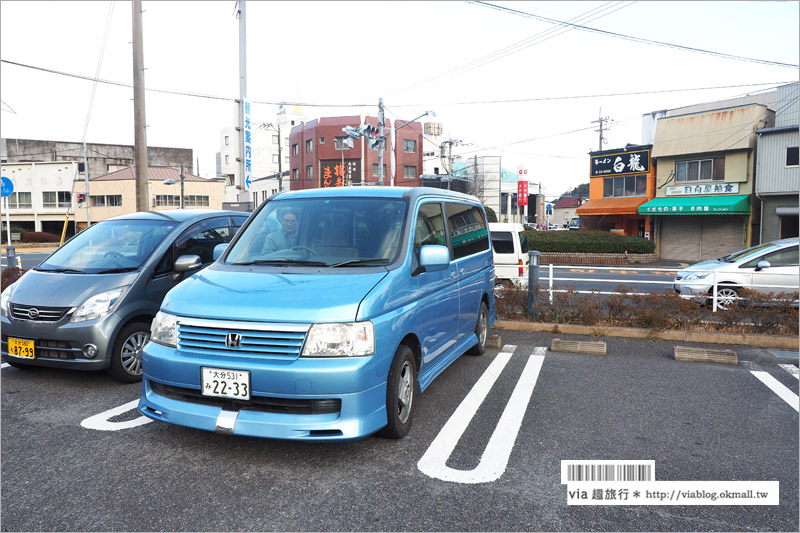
374	191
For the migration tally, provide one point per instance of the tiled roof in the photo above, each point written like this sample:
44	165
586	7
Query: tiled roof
153	174
569	201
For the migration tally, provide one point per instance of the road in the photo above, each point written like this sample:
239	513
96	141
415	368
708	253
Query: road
75	456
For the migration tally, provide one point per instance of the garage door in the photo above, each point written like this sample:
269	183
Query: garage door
722	235
680	237
696	238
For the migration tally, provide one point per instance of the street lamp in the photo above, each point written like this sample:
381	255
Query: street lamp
170	181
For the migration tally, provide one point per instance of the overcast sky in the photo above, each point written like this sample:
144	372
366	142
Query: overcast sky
502	82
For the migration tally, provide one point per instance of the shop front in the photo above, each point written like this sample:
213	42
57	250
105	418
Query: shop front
696	228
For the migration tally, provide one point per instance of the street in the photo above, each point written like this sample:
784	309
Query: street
77	456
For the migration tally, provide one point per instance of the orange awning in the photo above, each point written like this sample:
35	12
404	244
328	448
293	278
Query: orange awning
612	206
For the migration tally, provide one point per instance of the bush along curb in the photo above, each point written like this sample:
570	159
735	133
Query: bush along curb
746	339
568	258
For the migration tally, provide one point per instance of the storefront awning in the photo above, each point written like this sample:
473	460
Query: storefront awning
698	205
611	206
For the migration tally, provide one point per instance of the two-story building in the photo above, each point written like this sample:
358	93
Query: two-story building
620	181
778	169
704	206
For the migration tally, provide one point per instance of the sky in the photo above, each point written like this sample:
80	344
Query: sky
504	78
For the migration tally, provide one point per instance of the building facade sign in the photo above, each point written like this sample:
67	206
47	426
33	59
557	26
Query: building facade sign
711	188
333	174
620	164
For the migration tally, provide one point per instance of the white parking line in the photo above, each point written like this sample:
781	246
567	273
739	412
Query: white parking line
792	370
495	457
778	388
102	421
4	365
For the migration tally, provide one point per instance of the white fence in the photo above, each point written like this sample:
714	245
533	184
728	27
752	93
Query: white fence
710	293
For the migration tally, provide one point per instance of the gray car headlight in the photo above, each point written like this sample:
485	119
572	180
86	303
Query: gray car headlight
697	275
4	301
98	305
344	339
164	329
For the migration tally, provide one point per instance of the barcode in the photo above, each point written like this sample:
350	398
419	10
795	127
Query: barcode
607	471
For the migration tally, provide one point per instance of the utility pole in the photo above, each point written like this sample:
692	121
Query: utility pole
382	142
139	122
601	120
241	14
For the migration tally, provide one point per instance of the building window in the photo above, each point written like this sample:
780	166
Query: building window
295	174
56	199
229	181
322	140
295	150
227	140
309	146
105	200
409	171
227	159
375	170
410	146
276	159
193	200
166	200
620	186
792	156
700	170
338	143
275	139
20	200
309	172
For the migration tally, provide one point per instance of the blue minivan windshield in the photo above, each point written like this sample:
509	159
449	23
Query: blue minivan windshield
330	232
108	247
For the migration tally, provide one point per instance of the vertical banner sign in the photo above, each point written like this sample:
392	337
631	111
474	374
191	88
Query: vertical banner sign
522	186
248	146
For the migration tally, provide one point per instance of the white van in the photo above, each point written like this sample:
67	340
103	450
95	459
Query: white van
510	253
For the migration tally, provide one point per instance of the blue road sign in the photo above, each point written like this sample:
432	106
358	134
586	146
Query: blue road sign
8	187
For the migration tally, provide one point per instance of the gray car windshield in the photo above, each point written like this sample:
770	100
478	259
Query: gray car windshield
331	232
109	247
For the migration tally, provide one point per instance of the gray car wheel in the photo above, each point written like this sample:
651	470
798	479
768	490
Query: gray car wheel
726	296
126	360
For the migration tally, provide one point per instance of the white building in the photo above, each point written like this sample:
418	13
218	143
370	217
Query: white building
270	155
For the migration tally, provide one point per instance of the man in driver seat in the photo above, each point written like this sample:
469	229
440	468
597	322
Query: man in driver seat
287	236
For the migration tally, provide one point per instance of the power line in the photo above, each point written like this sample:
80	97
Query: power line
636	39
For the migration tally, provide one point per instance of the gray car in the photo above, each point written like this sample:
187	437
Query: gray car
90	304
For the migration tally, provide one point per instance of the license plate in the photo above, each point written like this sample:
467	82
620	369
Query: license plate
224	383
20	348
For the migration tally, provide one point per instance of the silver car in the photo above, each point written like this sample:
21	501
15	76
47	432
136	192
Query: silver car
89	305
768	267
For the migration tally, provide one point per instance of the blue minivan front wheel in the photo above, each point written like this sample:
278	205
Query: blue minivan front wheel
481	331
401	385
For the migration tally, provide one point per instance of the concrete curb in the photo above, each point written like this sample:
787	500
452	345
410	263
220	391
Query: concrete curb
760	341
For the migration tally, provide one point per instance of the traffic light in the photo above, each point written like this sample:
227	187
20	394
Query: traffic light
352	132
370	133
80	198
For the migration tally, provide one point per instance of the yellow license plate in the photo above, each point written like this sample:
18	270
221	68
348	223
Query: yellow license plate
20	347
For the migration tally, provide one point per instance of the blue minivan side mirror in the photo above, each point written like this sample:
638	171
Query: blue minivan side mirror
433	257
219	250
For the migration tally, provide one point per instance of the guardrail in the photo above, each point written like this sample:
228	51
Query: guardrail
536	279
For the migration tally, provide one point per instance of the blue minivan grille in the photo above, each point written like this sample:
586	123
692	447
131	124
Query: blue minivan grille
241	339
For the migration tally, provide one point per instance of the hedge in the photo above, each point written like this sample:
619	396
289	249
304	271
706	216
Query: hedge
588	242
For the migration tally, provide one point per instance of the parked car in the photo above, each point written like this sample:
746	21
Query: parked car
574	224
372	293
89	305
767	267
510	252
556	227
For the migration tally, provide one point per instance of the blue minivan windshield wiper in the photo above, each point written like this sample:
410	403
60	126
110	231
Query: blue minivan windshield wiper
282	262
355	262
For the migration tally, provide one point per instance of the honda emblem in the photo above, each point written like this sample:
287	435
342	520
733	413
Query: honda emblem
233	340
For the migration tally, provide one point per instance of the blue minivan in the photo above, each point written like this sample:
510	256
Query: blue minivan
325	316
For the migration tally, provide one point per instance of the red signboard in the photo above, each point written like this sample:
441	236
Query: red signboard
522	193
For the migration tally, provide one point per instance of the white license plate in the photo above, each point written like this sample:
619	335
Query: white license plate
224	383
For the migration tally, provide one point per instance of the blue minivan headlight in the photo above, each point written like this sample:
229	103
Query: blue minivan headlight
344	339
98	305
164	329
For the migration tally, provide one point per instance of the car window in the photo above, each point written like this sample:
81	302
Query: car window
502	242
523	242
468	232
430	226
201	238
785	257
